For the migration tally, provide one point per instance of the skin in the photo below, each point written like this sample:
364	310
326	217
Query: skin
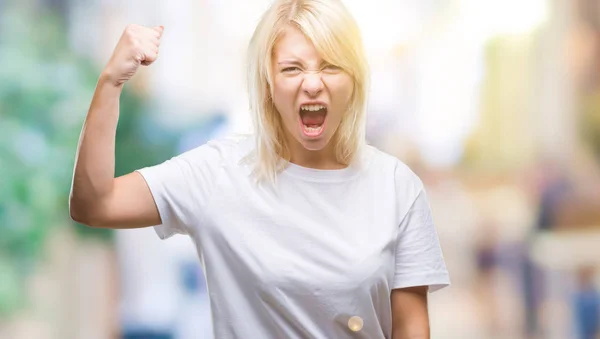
410	318
98	199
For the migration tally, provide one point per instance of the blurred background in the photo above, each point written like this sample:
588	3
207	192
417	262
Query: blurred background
494	103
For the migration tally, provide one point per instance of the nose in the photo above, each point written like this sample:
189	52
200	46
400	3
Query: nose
312	84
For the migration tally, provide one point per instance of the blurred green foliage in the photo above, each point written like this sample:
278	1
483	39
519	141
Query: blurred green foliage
45	91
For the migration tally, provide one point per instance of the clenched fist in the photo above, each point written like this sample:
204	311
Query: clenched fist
137	46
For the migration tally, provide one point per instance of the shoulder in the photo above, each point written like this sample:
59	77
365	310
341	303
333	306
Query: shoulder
381	160
218	151
406	181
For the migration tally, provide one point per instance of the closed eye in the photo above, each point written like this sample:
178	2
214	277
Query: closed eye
331	68
290	70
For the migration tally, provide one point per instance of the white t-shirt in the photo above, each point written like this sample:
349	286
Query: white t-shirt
300	260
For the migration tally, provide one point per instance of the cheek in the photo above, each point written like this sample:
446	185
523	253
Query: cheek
348	88
342	90
283	97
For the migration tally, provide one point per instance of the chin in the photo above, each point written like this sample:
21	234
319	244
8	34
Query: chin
314	144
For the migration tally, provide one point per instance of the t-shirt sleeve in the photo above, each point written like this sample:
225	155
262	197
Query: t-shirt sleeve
419	258
182	187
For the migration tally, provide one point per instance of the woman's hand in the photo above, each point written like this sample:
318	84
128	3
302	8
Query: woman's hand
137	46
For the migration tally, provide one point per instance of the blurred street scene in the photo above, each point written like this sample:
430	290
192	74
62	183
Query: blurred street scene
495	104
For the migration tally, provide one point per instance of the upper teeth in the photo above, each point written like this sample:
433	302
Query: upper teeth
312	107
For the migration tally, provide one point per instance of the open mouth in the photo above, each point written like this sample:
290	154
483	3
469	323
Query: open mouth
312	119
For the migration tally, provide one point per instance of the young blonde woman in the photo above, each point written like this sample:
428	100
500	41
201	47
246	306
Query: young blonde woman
302	229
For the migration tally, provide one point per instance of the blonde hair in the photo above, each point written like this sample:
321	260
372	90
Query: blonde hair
336	37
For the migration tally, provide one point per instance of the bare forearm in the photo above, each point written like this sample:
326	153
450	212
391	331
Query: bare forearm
404	335
95	159
410	313
416	330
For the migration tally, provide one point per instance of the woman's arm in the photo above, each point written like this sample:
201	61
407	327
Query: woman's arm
97	198
410	318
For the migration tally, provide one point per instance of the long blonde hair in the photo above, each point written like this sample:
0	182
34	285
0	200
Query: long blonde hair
336	37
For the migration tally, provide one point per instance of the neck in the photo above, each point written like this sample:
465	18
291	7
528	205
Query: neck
324	159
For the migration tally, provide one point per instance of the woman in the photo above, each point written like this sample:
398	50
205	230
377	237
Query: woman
302	229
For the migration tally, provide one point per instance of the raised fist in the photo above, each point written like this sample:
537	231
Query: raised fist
137	46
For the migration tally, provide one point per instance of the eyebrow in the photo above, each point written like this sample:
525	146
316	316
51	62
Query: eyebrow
290	62
298	63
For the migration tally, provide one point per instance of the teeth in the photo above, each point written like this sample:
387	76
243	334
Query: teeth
313	130
312	107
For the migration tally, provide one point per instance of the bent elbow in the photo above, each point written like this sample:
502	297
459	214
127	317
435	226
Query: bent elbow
82	214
